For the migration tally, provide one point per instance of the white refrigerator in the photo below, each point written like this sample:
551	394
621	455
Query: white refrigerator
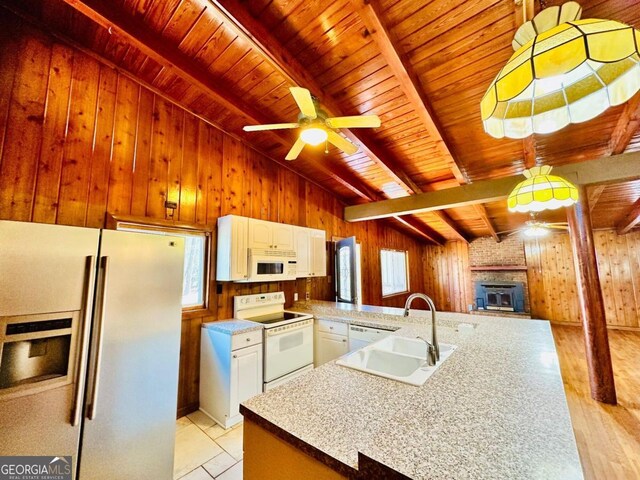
90	326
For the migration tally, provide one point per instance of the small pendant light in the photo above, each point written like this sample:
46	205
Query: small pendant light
541	191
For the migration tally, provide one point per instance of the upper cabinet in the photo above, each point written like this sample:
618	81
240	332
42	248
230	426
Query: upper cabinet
310	246
233	253
270	235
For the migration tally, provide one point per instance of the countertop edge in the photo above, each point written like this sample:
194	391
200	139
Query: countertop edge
303	446
233	326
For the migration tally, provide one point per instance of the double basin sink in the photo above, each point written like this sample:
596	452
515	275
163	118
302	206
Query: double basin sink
397	358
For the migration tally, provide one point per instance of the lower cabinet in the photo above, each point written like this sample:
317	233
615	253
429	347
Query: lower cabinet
331	341
246	376
230	373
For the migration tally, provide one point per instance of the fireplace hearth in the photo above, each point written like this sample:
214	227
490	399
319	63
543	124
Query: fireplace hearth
500	296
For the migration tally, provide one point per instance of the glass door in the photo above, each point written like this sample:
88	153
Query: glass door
347	271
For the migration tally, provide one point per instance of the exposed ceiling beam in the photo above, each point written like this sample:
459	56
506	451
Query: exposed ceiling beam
594	195
615	169
173	60
626	127
482	213
631	219
372	17
415	225
291	69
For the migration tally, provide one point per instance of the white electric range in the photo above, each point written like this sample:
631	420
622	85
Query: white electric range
288	336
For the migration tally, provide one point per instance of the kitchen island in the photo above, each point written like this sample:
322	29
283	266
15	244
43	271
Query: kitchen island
495	409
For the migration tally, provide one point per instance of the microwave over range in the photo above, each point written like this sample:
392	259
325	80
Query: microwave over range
267	265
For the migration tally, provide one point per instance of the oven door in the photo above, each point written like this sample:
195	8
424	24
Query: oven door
288	349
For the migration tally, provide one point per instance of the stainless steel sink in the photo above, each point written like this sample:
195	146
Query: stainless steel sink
398	358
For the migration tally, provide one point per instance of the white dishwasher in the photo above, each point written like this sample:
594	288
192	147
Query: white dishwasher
362	336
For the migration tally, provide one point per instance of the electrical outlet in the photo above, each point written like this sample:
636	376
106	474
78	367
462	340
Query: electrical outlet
307	296
295	297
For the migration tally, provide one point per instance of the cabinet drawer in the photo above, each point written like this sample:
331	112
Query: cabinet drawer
328	326
242	340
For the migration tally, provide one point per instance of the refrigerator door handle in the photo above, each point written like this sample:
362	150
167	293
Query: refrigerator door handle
104	266
84	332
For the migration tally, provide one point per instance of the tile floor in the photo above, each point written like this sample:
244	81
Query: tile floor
205	450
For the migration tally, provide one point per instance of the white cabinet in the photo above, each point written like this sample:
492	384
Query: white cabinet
331	341
310	246
270	235
302	239
232	258
230	372
246	376
318	253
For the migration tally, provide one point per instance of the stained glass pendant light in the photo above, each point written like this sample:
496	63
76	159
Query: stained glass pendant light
541	191
564	70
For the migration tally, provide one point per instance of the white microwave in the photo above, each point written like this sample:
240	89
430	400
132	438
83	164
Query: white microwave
267	265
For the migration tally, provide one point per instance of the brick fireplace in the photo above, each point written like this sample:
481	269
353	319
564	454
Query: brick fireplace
503	267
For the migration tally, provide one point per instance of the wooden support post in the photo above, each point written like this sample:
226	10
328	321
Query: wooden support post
591	302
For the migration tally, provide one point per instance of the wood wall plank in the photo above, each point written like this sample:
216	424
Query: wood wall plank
76	165
53	134
23	136
102	149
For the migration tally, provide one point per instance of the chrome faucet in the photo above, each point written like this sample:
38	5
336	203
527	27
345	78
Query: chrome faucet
433	349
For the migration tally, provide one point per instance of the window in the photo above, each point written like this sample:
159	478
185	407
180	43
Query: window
194	285
395	277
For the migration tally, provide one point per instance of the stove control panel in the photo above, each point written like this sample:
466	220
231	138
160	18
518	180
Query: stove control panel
245	302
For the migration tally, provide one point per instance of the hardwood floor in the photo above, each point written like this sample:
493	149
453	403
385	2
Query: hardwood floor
608	436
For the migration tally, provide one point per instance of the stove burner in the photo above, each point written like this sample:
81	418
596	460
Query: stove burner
277	317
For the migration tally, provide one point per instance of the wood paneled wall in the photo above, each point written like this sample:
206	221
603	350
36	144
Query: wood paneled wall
552	281
448	276
79	139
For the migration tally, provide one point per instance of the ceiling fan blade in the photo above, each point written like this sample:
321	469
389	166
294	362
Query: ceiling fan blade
559	227
302	96
358	121
273	126
342	143
295	150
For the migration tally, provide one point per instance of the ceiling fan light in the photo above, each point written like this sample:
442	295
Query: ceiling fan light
541	191
562	73
313	135
535	231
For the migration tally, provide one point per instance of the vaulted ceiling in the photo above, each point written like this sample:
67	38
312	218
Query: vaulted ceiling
421	66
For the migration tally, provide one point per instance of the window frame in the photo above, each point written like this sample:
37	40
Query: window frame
120	222
406	272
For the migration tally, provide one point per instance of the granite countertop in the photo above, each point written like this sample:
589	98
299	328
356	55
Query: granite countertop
495	409
233	326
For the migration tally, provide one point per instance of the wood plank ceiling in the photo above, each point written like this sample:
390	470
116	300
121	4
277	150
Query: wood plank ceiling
421	66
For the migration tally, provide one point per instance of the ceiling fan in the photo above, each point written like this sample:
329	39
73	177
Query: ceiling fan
316	127
536	228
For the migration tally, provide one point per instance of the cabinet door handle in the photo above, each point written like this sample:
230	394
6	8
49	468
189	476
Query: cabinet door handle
330	328
344	340
248	339
235	356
